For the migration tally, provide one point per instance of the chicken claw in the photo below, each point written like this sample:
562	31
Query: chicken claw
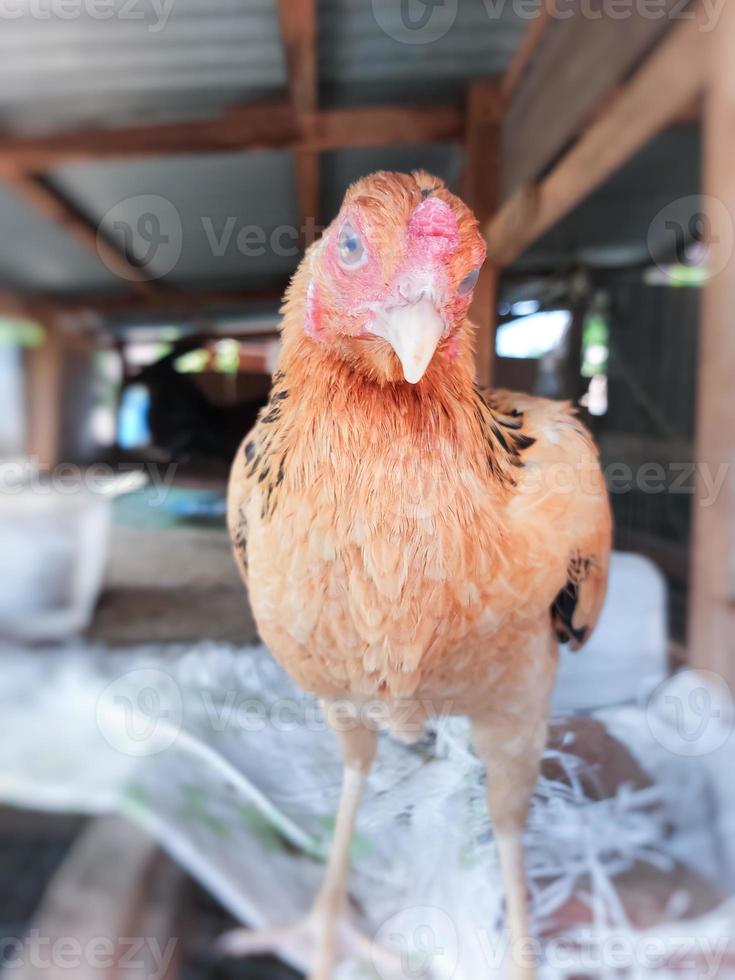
310	941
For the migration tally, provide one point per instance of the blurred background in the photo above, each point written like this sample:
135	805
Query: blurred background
163	165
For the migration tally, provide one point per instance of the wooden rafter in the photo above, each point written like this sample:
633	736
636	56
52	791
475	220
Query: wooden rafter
481	189
298	30
183	304
339	129
260	127
662	88
298	20
51	206
577	62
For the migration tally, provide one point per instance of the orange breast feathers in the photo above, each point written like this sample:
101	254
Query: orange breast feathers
397	543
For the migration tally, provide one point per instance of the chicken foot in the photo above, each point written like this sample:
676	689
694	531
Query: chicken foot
326	935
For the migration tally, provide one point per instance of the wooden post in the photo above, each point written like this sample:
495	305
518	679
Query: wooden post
298	20
712	603
43	400
482	182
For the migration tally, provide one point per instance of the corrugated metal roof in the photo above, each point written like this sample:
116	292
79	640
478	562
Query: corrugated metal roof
116	62
186	59
230	220
110	62
381	50
36	256
120	61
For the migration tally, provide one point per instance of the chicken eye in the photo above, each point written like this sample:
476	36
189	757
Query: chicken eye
469	282
350	247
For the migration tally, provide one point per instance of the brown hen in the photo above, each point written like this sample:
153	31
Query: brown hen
413	545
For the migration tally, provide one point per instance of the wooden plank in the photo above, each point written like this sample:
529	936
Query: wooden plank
43	391
11	304
712	591
91	911
298	20
506	233
259	127
181	303
51	206
644	106
577	61
307	173
481	180
335	129
298	30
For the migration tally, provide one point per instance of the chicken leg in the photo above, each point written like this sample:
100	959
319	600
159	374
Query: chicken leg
325	932
511	743
358	749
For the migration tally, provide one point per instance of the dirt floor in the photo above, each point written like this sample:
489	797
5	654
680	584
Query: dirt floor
171	578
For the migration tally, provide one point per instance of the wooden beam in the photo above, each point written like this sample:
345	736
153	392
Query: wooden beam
298	30
259	127
113	884
43	392
668	82
51	206
577	61
481	179
712	590
335	129
298	20
307	173
507	233
182	303
11	304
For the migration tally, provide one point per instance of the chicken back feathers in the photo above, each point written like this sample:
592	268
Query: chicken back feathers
413	541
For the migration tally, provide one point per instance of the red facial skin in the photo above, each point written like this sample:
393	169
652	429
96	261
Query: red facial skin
416	245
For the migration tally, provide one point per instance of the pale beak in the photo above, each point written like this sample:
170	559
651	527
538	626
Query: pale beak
414	333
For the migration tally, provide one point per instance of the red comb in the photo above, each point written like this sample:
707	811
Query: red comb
434	219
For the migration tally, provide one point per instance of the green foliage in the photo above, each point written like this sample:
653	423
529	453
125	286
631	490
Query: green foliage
595	345
16	332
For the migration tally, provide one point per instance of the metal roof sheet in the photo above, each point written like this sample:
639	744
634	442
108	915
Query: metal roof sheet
230	219
36	256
